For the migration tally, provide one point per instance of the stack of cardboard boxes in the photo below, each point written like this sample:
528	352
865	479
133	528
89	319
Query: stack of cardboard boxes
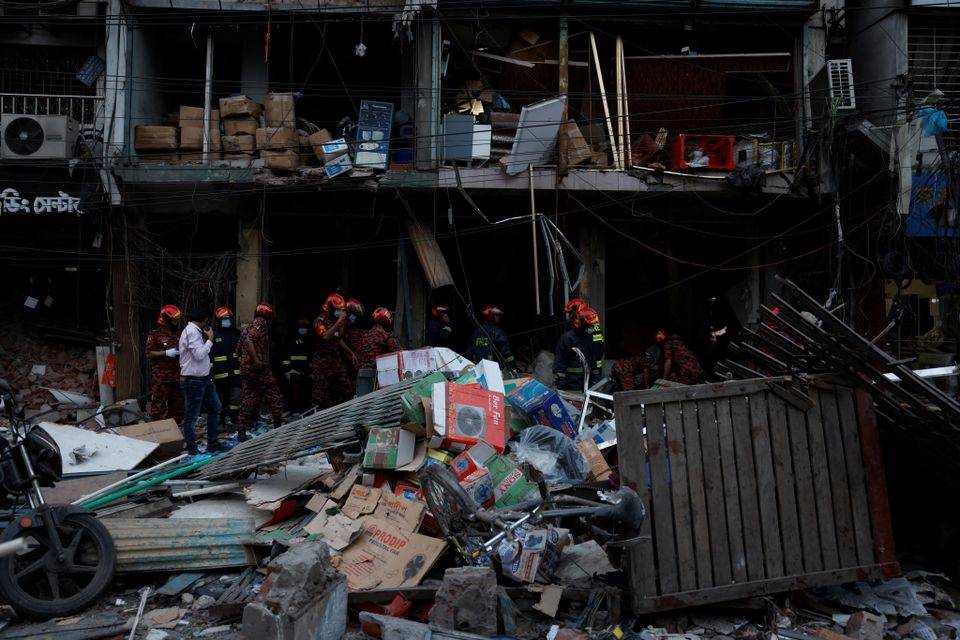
278	141
191	134
240	116
156	144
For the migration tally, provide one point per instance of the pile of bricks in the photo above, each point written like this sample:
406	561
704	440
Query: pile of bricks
68	367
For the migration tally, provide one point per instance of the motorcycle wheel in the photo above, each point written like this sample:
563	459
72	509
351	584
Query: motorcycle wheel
40	585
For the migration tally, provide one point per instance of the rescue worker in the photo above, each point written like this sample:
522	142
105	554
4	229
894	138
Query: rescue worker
439	331
376	340
489	341
166	399
296	367
225	363
357	324
332	358
679	362
568	368
259	383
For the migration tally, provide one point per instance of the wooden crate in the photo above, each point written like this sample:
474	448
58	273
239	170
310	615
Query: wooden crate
752	487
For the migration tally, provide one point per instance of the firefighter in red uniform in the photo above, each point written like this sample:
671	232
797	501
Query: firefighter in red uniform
166	399
332	358
258	381
374	341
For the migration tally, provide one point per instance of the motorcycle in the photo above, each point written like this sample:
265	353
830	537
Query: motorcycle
54	560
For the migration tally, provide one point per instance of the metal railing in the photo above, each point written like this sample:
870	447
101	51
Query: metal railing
83	109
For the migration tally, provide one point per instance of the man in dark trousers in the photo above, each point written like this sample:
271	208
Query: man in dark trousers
226	364
166	399
489	341
439	331
258	381
568	369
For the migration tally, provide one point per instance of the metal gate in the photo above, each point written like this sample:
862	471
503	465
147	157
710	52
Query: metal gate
752	487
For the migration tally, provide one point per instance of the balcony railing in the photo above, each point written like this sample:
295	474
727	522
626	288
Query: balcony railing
83	109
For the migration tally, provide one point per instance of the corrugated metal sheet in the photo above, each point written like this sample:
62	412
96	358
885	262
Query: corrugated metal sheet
181	544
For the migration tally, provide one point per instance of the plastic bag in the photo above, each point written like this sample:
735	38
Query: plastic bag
553	454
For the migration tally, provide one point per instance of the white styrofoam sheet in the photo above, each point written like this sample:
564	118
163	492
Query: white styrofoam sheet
113	452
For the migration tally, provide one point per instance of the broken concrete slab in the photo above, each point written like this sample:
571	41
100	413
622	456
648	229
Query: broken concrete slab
302	597
467	601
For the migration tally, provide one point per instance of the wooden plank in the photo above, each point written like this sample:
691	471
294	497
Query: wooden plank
731	490
680	490
698	500
883	548
747	479
633	469
855	476
840	488
662	509
760	587
786	485
766	486
713	482
821	485
803	476
703	391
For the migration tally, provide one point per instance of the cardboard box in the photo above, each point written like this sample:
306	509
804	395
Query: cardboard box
361	501
239	106
463	416
166	433
278	110
277	139
578	150
536	554
487	374
235	144
317	140
411	402
240	126
389	448
510	486
334	149
402	365
191	139
156	138
281	160
384	557
543	406
193	117
479	486
338	166
599	469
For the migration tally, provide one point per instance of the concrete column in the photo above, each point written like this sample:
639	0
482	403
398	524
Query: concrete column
427	117
593	248
250	289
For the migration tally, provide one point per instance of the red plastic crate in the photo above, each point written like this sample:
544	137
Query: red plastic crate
719	150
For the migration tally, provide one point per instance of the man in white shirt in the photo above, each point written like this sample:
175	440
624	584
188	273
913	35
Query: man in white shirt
199	392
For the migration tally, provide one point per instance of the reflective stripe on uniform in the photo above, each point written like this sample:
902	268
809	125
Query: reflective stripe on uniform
221	376
236	372
299	358
598	337
574	369
219	358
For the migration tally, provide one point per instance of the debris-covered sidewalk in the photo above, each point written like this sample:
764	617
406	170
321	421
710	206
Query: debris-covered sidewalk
453	502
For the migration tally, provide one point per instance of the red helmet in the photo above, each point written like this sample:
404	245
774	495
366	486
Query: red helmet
382	315
168	312
574	306
264	310
586	317
354	306
438	310
490	311
223	312
661	335
334	301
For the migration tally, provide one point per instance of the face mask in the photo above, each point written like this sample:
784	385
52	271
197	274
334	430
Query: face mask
225	323
337	313
351	318
302	331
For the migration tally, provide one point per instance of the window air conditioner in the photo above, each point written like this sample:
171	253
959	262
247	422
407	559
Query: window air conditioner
33	137
840	77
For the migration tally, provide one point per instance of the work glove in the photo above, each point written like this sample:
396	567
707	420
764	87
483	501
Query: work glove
172	353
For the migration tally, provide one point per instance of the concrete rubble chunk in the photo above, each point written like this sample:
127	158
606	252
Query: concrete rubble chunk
467	601
864	625
303	597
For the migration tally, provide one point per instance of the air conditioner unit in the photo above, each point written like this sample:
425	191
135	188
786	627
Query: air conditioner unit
840	77
30	137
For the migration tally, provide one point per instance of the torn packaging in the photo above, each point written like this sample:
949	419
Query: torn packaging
239	106
385	557
165	433
402	512
334	527
362	500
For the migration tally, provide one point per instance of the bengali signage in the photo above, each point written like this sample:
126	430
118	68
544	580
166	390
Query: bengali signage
12	203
